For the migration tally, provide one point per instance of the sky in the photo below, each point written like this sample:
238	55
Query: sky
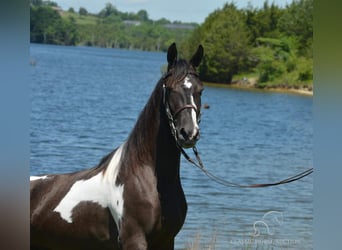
173	10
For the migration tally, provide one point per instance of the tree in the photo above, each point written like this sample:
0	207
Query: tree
225	39
69	31
47	26
263	22
82	11
108	10
44	23
142	15
297	21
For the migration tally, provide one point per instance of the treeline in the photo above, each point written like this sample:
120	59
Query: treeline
47	25
108	28
272	43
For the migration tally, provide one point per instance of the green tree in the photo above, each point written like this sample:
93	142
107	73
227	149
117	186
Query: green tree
108	10
142	15
225	38
69	31
297	21
44	23
82	11
47	26
263	22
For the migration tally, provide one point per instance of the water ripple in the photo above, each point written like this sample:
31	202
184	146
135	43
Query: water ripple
85	101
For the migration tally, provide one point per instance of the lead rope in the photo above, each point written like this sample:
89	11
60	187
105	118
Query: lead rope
199	164
219	180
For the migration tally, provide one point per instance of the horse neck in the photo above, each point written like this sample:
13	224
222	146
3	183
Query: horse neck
151	143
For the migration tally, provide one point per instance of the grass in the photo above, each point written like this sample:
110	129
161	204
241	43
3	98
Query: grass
196	243
82	20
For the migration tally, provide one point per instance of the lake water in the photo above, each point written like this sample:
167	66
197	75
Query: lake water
85	101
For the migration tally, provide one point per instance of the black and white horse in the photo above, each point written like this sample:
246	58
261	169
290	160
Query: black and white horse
133	199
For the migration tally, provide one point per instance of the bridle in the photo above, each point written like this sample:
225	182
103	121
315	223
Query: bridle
172	116
199	164
187	106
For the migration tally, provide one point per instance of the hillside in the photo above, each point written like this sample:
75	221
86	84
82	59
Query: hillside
109	28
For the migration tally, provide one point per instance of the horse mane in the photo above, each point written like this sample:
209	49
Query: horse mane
139	136
141	141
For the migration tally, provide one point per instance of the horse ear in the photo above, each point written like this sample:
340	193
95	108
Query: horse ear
171	55
196	59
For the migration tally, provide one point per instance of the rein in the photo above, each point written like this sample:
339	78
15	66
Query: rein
199	163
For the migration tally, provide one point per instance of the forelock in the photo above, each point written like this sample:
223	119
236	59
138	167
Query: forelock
179	72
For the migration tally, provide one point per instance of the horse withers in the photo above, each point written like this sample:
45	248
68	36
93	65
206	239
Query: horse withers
133	199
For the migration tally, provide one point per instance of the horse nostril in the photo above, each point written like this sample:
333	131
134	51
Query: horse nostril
184	134
189	135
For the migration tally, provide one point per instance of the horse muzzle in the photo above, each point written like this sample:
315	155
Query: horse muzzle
187	138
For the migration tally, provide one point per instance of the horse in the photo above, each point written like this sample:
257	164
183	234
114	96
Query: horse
133	199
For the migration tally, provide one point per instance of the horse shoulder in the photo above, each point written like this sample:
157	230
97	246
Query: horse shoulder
142	211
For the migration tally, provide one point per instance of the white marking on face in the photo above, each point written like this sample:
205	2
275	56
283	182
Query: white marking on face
34	178
100	189
187	84
193	113
194	117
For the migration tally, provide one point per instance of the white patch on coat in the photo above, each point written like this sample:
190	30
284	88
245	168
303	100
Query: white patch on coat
187	84
115	192
100	189
34	178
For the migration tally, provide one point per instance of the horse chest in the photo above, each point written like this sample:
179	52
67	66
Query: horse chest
173	209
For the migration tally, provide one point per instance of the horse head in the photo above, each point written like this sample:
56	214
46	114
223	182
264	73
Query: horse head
182	98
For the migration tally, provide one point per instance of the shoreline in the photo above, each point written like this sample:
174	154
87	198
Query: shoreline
251	87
